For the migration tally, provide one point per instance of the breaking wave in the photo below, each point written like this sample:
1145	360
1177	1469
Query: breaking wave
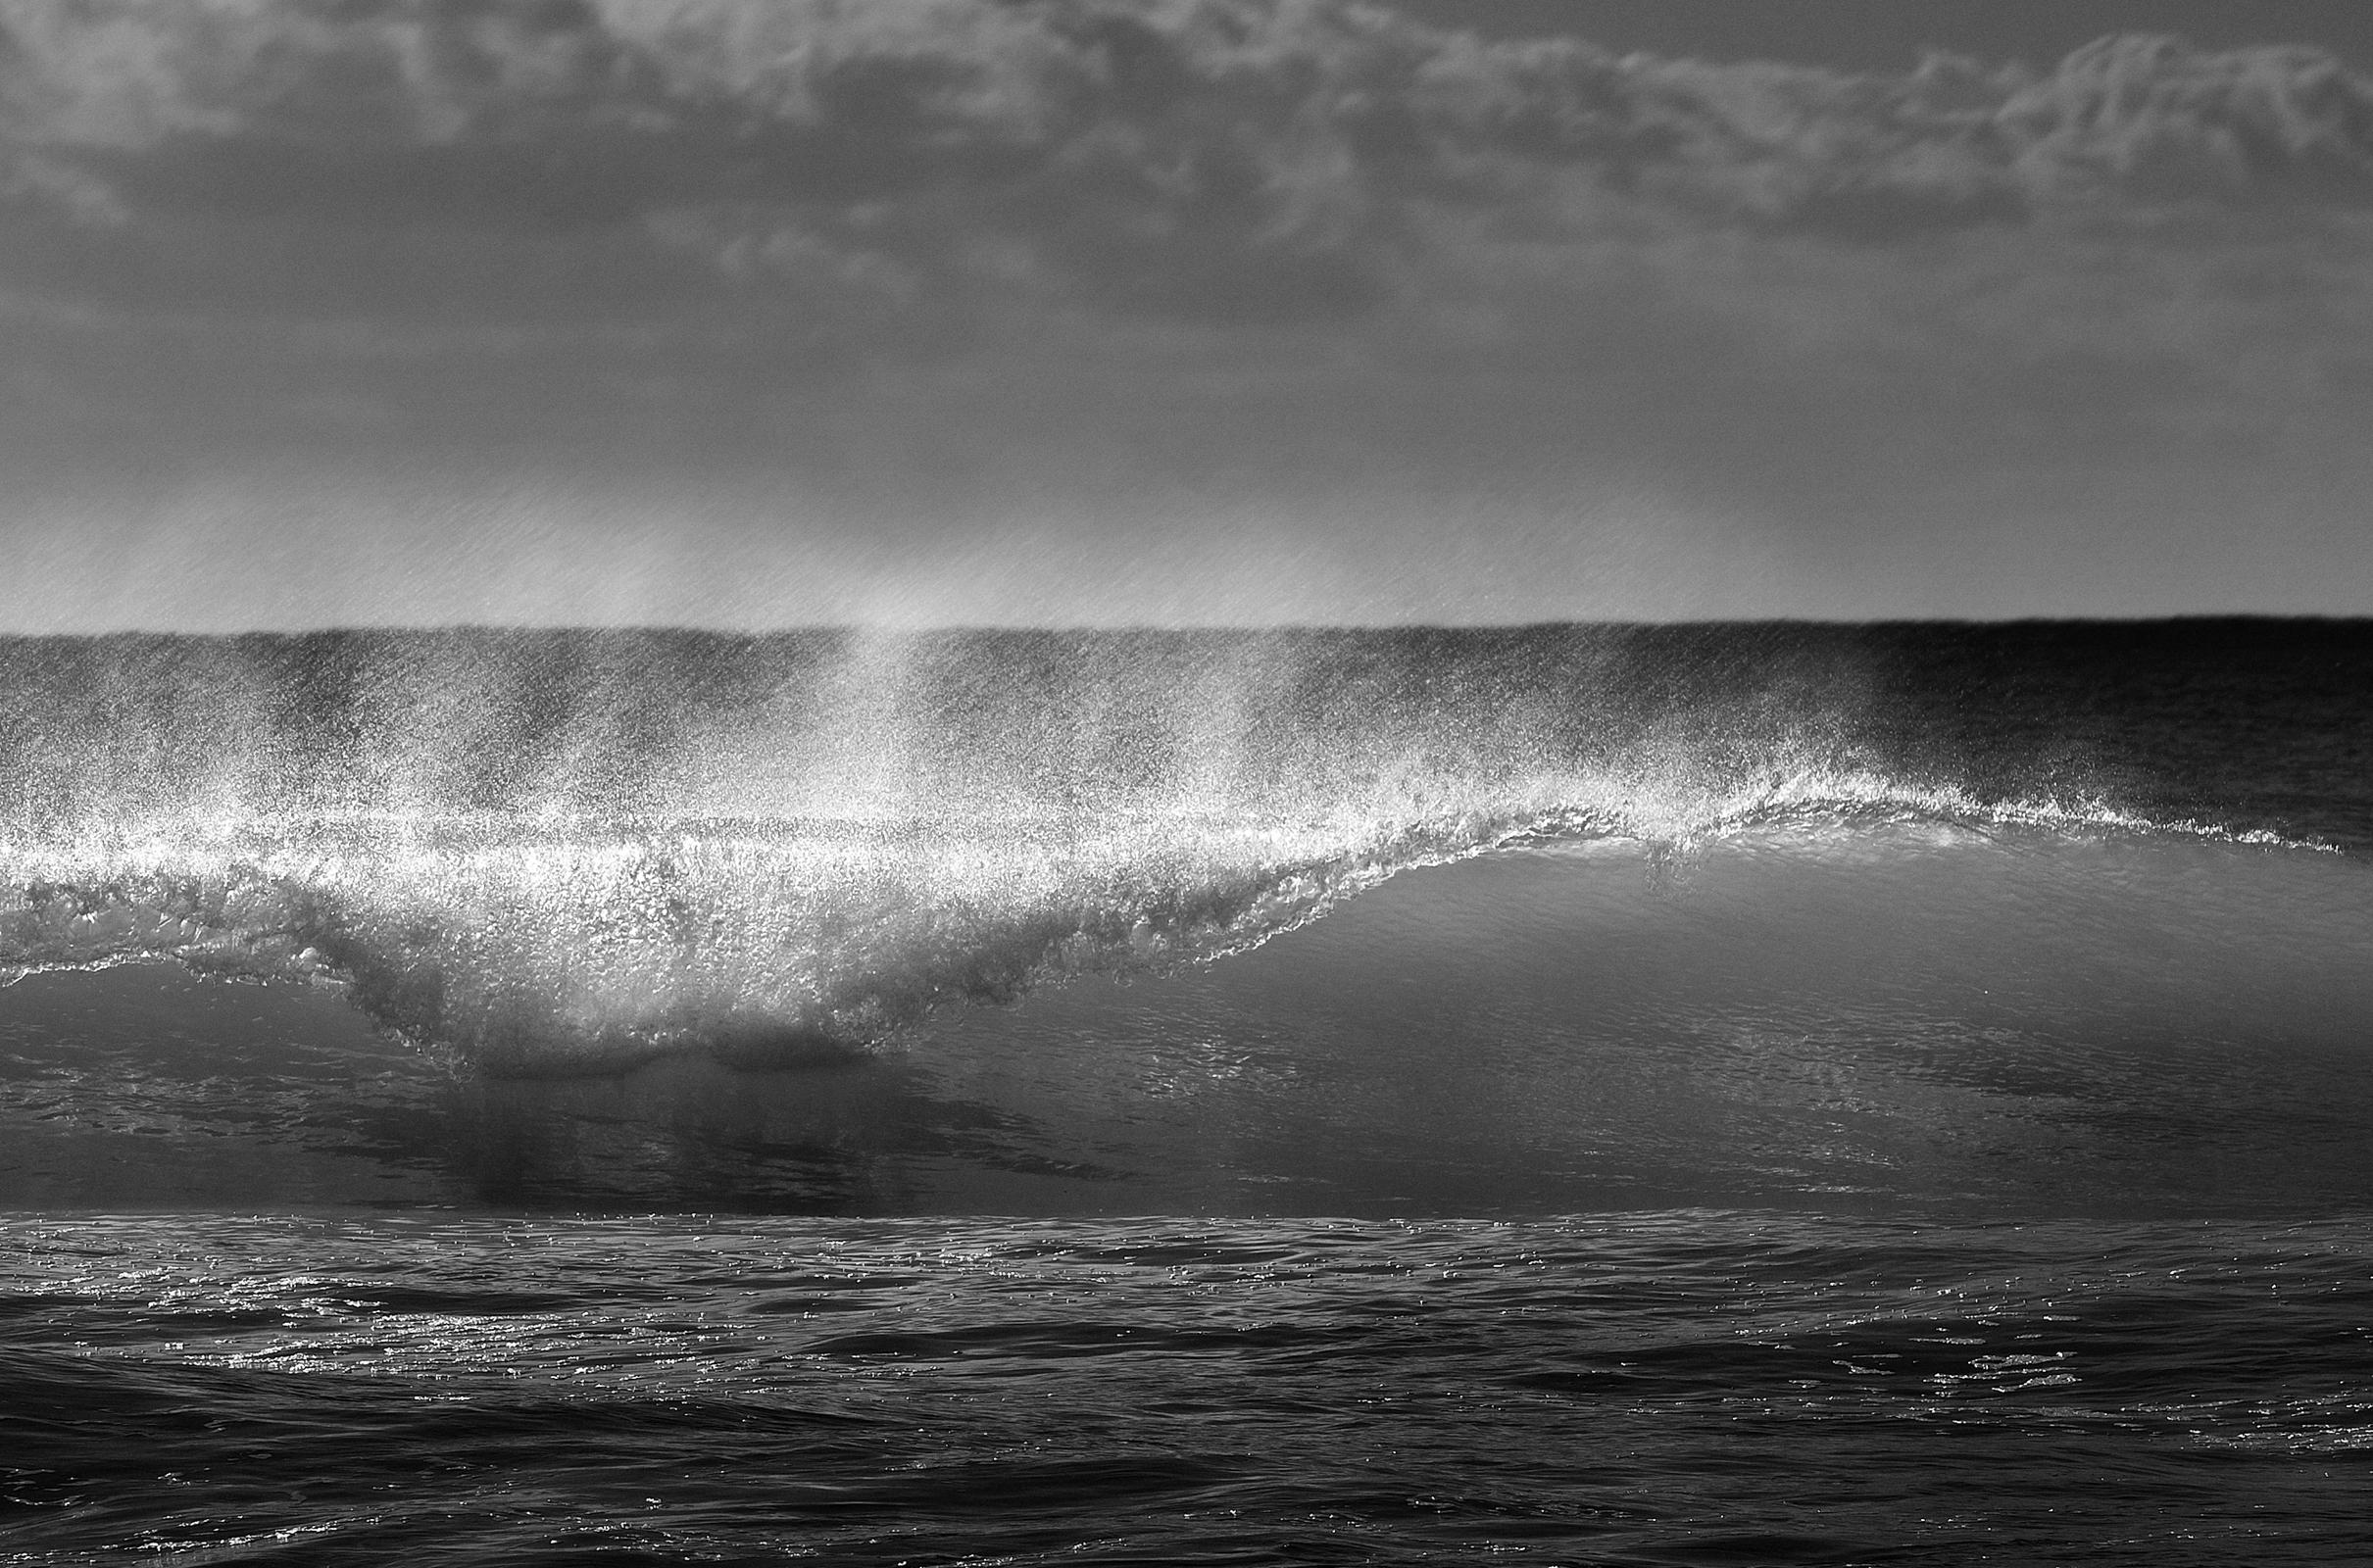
567	852
585	946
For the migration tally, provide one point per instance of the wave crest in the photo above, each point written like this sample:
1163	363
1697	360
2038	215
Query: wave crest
524	945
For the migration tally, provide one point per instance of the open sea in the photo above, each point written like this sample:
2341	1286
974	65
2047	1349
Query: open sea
1736	1095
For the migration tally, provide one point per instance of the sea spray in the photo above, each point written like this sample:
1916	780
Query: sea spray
570	850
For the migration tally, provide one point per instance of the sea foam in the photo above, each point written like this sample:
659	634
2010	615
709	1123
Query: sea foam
565	852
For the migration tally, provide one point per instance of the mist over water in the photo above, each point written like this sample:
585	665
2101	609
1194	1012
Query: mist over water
545	847
561	851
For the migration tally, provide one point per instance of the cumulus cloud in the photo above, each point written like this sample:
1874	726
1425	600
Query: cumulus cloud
919	253
1215	161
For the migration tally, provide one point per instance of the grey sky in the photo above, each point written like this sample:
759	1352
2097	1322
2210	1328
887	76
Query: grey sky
752	311
1889	35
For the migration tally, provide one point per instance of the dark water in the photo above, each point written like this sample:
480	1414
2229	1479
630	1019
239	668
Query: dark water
1720	1095
1685	1387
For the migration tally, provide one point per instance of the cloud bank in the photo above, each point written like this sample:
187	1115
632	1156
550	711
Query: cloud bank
959	267
1219	162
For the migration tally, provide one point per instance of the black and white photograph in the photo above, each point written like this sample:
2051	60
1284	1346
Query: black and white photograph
984	783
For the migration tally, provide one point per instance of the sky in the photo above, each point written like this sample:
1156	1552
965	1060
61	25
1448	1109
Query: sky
771	313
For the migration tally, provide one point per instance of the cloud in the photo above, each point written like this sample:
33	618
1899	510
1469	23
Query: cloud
1216	161
964	259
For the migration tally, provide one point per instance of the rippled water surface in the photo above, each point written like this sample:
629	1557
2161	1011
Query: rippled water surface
1692	1387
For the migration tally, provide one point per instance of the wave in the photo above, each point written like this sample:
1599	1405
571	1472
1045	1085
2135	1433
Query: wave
560	852
524	945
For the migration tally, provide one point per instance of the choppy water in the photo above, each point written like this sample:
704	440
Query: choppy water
1703	1095
1676	1387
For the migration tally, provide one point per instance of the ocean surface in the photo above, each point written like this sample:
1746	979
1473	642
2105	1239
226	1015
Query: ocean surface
1713	1095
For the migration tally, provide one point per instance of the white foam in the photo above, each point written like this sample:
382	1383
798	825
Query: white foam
543	940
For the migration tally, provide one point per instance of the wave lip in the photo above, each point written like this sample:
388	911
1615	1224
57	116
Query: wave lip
538	943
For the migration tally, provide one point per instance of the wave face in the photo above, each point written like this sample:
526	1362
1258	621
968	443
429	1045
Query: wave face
563	852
